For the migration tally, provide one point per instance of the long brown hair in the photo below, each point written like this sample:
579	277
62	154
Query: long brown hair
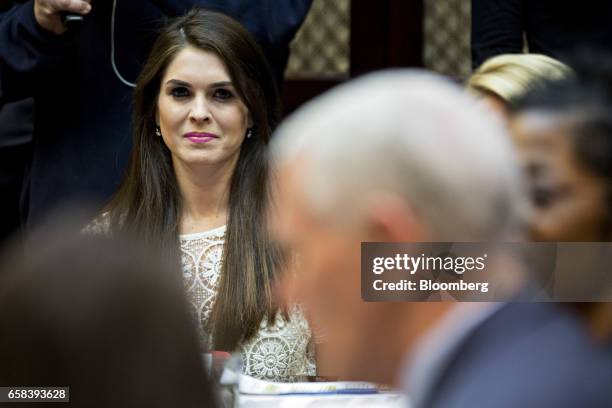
148	201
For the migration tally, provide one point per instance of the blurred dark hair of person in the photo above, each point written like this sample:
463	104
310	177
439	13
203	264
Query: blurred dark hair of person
563	131
102	316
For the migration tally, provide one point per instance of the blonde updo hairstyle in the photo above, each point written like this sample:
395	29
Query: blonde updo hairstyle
510	76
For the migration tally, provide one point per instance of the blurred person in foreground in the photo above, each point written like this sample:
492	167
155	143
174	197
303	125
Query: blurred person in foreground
400	156
563	131
105	317
197	184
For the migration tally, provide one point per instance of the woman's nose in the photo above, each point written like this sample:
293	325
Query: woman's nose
199	111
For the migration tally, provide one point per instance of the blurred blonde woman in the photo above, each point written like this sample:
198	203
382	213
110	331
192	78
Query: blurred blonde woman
501	80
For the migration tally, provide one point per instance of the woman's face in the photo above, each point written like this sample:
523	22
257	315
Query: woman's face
202	119
569	200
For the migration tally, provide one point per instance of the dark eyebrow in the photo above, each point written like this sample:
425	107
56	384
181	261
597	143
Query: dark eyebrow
219	84
178	82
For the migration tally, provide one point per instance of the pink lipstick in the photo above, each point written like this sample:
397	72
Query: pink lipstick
200	137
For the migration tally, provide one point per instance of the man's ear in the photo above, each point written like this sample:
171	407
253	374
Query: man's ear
391	219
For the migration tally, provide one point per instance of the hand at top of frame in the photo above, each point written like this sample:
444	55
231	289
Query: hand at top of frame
48	13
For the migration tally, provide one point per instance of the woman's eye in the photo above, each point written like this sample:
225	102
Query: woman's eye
180	92
223	94
545	196
542	197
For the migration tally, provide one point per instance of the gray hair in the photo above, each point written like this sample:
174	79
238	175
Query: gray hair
413	134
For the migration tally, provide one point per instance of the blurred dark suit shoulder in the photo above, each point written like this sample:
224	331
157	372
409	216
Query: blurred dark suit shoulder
525	355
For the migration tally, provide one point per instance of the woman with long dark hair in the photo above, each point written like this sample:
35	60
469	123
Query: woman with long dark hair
197	186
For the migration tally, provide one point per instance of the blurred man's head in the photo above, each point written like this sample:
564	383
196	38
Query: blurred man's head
102	315
398	156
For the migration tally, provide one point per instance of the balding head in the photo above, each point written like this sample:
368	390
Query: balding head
394	156
411	134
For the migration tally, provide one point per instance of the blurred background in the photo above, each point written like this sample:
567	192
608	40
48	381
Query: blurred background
343	39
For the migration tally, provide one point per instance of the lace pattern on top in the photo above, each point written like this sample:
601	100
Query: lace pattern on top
280	352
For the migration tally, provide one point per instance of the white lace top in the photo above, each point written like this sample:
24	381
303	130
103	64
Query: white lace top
280	352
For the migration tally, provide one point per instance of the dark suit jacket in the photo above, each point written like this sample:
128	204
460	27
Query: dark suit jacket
525	355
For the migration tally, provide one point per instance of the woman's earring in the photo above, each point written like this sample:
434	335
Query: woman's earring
157	131
249	133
